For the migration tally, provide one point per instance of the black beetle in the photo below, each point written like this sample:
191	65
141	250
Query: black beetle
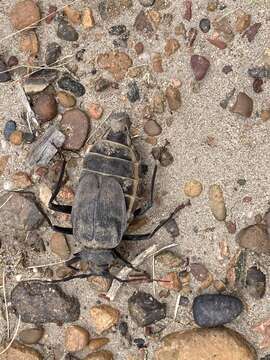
106	199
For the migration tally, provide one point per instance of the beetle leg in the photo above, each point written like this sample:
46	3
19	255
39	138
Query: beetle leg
62	230
126	262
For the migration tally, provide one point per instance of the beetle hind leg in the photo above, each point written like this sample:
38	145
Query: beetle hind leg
126	262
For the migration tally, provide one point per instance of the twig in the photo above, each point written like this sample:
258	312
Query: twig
176	307
13	337
47	265
10	196
5	301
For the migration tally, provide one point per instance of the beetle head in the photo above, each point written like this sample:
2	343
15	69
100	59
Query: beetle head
119	122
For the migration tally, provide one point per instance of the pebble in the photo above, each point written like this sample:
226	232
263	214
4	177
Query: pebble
117	30
98	343
31	336
69	84
188	10
252	31
20	352
171	46
53	53
169	260
211	310
171	281
110	9
242	22
67	32
173	98
29	138
95	111
12	61
172	228
65	99
21	180
59	246
143	25
152	128
100	355
243	105
157	63
193	188
123	328
145	310
139	48
104	317
217	42
10	127
88	20
24	14
73	15
76	338
76	126
205	25
265	114
4	74
158	102
199	271
29	43
227	69
3	163
38	302
116	62
133	93
51	14
257	85
216	202
259	72
256	282
45	107
205	344
200	66
102	84
231	227
147	3
16	138
255	238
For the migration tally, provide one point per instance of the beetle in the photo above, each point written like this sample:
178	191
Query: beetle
106	200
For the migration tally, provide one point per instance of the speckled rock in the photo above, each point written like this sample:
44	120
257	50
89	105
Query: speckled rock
24	13
53	52
75	125
9	128
110	9
76	338
117	63
67	32
143	25
103	317
255	238
69	84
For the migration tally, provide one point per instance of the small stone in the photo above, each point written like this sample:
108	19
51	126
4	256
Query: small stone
242	22
199	271
158	102
20	352
110	9
217	203
157	63
169	260
257	85
73	15
133	93
69	84
76	126
265	115
143	24
227	69
251	32
24	14
193	188
152	128
59	246
16	138
66	194
172	45
102	84
29	138
12	61
100	355
266	57
29	43
211	310
147	3
191	37
173	98
243	105
139	48
53	53
31	336
65	99
39	302
100	283
171	281
259	72
172	228
212	5
95	111
98	343
4	73
163	155
117	63
45	107
123	328
51	14
231	227
104	317
3	163
76	338
200	66
219	286
217	42
10	127
188	10
255	238
180	30
21	180
256	282
88	20
67	32
205	25
117	30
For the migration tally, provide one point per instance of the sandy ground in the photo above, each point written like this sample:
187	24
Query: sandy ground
241	151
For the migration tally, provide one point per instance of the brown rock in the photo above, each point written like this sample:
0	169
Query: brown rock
73	15
75	125
243	105
231	227
255	238
265	115
139	48
217	203
242	22
251	32
199	271
20	352
158	102
66	194
63	271
45	107
51	14
205	344
95	111
172	45
154	17
98	343
188	10
76	338
143	24
24	13
31	336
16	138
117	63
152	128
65	99
169	260
200	66
21	180
193	188
171	281
100	283
219	286
104	317
217	42
157	63
100	355
59	246
3	163
88	20
29	43
212	5
173	97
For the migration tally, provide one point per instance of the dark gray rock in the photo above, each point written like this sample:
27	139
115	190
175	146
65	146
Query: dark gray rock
39	302
147	3
211	310
10	127
133	92
259	72
102	84
145	310
205	25
4	74
172	228
67	83
256	282
67	32
39	80
117	29
53	52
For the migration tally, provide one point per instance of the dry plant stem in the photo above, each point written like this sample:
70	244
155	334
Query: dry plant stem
6	201
13	337
176	307
5	300
47	265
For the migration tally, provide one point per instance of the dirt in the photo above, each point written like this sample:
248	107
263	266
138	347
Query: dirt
209	144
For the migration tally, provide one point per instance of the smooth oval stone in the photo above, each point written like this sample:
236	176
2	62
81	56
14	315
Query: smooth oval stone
45	107
31	336
205	25
69	84
76	126
210	310
67	32
200	66
10	127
